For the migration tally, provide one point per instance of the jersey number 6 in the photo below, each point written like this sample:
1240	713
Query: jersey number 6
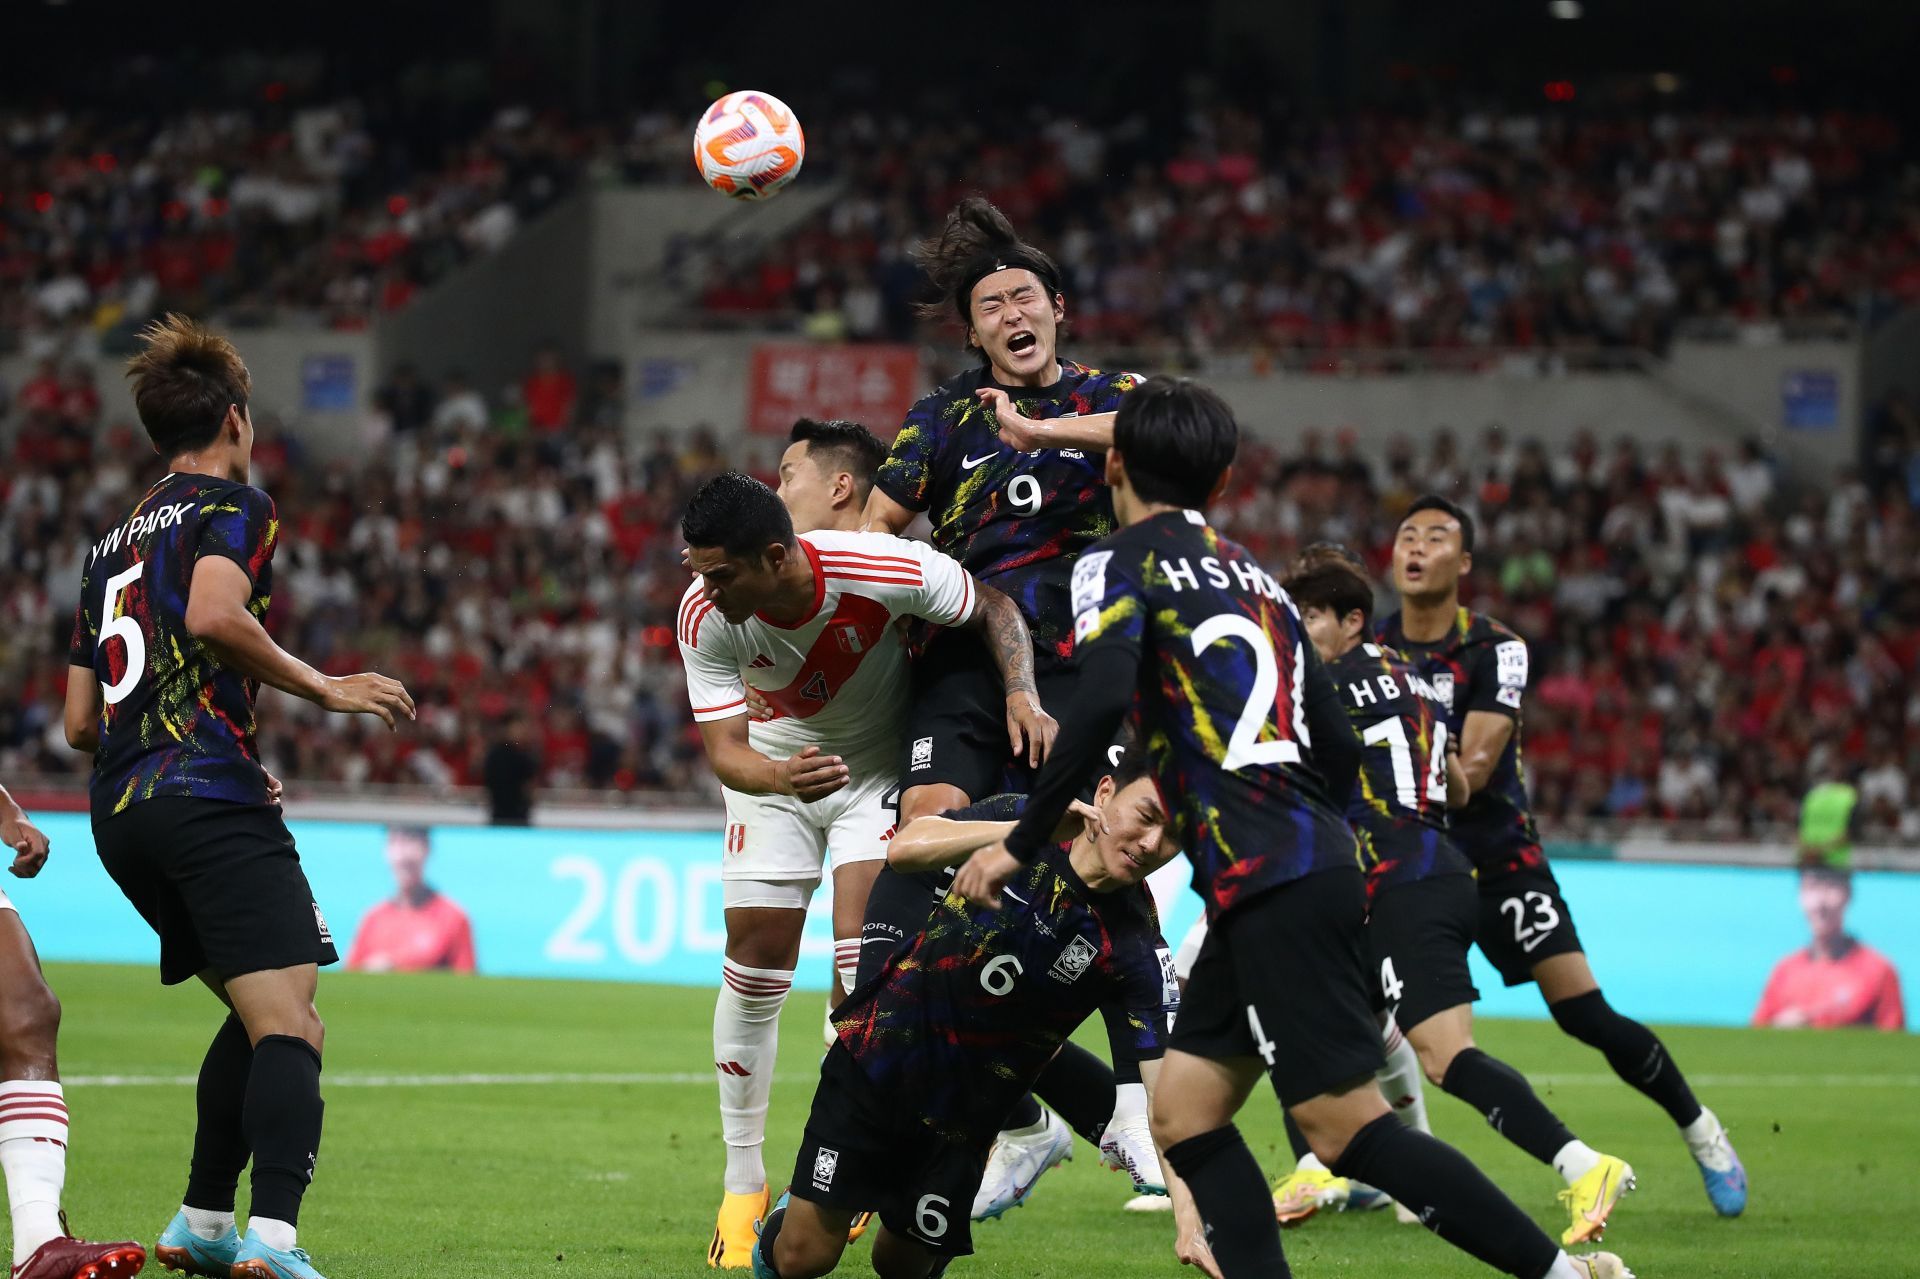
997	977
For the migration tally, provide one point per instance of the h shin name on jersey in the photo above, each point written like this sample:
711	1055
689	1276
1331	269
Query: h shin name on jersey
1182	576
138	527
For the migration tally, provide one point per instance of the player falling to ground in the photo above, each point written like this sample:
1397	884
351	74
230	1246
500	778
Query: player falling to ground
810	623
1423	907
1479	668
934	1050
1182	629
33	1108
167	655
1005	461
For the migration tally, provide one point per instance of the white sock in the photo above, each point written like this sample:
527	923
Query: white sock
1567	1268
33	1153
1575	1160
846	962
746	1041
1310	1162
1400	1079
1702	1130
1130	1105
207	1223
273	1232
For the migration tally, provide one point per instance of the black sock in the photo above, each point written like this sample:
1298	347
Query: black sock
1025	1113
1295	1138
770	1231
1509	1103
1079	1087
1635	1053
1232	1199
282	1121
1126	1068
1453	1198
219	1141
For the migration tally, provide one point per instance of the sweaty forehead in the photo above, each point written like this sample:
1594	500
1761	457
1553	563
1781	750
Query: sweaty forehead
1001	284
797	452
706	559
1141	792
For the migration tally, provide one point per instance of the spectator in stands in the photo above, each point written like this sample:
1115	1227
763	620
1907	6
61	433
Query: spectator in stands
509	773
418	929
549	392
408	401
1827	824
1837	980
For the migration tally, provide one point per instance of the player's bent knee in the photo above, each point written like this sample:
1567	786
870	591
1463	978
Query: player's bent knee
29	1022
805	1253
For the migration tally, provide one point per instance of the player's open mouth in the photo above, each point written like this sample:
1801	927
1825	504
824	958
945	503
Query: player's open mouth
1021	343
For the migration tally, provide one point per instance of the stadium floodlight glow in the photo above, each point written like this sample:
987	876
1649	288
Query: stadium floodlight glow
1566	10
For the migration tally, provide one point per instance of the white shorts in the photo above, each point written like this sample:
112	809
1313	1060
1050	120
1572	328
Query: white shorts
1190	948
6	903
783	843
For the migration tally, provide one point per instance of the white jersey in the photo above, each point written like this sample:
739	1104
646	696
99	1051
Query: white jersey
836	679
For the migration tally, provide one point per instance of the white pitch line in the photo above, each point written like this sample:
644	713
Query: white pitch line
408	1081
706	1077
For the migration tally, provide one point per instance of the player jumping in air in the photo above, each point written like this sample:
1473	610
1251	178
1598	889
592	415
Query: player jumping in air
934	1049
809	622
1423	907
1005	461
1479	669
167	654
1180	627
33	1108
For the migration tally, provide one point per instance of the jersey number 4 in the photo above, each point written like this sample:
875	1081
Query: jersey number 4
1245	747
127	631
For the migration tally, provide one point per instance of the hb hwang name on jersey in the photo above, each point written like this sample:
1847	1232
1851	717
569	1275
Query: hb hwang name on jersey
138	527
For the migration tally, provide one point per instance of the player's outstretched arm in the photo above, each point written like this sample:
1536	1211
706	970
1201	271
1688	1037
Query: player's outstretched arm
884	515
1029	728
935	843
808	775
217	616
1189	1232
27	842
1093	432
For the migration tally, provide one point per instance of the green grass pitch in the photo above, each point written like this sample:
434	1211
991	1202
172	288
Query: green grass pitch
581	1178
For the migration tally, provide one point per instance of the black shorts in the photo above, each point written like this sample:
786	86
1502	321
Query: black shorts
958	726
854	1158
898	905
1523	920
1419	935
219	882
1283	977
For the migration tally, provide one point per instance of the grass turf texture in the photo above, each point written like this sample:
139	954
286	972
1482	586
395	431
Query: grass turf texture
595	1178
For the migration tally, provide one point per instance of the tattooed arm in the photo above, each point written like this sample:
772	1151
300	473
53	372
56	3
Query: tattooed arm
998	621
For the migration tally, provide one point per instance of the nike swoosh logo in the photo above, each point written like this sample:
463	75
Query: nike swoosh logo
1598	1212
1531	942
1016	896
968	463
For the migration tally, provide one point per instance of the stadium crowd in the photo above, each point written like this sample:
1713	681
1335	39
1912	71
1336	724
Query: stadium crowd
1706	640
1459	228
1464	229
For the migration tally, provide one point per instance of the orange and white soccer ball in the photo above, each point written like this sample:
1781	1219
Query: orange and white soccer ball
748	145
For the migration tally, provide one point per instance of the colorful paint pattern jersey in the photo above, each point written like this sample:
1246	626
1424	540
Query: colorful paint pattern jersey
1225	669
176	721
1014	520
967	1014
1398	809
1480	665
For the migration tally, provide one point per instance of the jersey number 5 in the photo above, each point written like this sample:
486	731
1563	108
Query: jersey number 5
1245	747
128	632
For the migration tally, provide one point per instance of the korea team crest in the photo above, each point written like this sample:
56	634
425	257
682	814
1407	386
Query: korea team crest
1443	685
1074	960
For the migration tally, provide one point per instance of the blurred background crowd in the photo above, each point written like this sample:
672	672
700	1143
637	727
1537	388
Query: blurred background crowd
1707	639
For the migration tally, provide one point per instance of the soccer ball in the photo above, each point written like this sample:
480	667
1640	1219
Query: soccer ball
748	145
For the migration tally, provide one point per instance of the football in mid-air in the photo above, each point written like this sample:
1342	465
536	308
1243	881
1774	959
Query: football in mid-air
748	145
